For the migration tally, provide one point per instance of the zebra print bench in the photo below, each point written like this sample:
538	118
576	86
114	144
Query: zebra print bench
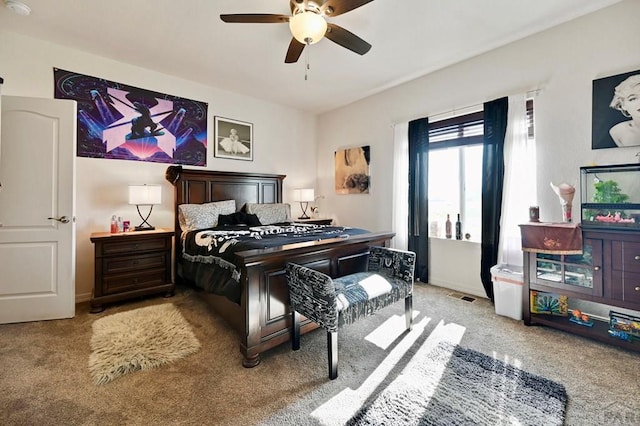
333	303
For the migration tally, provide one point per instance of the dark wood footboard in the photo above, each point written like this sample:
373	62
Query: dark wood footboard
265	300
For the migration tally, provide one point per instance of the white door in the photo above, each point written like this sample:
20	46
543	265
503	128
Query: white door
37	208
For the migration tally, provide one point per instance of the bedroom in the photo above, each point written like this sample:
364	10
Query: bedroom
562	61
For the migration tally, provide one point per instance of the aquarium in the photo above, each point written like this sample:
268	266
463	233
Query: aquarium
610	196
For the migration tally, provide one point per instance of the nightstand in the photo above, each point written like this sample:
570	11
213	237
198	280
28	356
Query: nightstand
316	221
131	264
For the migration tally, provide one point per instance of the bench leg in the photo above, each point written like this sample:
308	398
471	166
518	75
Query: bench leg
332	345
408	311
295	335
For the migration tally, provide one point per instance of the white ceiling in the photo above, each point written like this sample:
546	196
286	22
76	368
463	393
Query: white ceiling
186	38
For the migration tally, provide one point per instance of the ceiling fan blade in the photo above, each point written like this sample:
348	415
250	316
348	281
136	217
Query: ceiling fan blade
294	52
347	39
255	18
338	7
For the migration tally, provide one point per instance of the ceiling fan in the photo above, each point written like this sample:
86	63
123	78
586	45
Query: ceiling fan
308	24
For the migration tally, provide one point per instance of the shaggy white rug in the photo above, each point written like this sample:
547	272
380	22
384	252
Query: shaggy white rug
140	339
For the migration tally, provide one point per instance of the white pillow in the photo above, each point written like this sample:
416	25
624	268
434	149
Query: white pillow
270	213
202	216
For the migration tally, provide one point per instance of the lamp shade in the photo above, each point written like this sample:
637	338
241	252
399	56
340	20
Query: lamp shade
304	195
308	27
145	195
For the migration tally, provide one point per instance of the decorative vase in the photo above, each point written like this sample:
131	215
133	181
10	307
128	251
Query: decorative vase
566	212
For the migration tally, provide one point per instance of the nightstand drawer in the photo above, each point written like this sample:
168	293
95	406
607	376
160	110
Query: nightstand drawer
126	282
118	265
137	246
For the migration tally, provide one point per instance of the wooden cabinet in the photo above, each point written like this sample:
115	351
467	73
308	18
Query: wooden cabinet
316	221
131	264
607	273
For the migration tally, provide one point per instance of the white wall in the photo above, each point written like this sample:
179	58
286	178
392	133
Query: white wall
284	139
562	62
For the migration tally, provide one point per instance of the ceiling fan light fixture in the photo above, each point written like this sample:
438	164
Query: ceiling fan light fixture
308	27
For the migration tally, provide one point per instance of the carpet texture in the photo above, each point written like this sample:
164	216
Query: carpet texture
140	339
450	385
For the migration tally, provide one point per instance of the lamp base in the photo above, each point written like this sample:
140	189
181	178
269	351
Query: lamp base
304	205
144	226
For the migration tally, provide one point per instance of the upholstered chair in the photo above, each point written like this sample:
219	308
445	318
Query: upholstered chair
332	303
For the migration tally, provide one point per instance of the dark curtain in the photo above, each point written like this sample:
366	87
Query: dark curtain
495	127
418	191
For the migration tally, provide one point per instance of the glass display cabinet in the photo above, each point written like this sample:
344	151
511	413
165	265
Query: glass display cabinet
610	197
571	272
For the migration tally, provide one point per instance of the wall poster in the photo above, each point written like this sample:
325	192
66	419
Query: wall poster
117	121
352	170
616	111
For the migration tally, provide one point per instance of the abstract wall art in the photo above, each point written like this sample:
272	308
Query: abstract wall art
117	121
352	170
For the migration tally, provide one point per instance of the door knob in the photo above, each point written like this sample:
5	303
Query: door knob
62	219
596	268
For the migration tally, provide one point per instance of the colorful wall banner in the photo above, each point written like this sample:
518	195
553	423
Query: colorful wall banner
117	121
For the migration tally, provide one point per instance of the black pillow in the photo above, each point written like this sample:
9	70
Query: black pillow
238	218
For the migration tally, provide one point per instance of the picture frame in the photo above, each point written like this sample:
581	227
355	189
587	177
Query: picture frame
352	174
233	139
612	125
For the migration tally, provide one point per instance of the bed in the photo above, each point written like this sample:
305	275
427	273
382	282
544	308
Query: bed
261	313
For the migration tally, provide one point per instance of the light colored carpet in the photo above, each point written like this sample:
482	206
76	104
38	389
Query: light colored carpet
140	339
44	379
451	385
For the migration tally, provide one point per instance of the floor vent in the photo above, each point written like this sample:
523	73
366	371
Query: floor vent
461	296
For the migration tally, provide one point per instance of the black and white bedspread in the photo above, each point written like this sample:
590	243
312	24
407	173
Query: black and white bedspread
209	260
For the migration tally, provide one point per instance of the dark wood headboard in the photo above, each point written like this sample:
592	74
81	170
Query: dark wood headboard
205	186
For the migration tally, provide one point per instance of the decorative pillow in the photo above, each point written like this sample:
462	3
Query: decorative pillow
270	213
238	218
202	216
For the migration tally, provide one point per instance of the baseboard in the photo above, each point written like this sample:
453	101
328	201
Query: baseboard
83	297
460	288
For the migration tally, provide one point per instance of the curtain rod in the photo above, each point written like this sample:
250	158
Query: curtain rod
467	109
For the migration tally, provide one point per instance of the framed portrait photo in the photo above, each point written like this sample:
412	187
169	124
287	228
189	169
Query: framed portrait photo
616	111
233	139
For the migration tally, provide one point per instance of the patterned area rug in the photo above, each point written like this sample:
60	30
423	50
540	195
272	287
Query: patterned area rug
451	385
140	339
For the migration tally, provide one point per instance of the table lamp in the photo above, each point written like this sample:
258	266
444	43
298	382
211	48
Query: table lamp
145	195
304	196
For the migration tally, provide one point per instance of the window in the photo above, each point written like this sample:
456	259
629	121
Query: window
455	172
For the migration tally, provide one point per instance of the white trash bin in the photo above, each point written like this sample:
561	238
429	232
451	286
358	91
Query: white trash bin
507	290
